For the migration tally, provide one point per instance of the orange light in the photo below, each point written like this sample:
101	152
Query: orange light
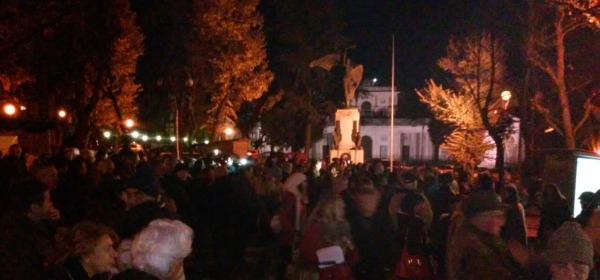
62	113
10	109
129	123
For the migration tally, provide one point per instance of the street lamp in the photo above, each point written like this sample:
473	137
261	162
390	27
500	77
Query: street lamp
505	95
62	113
135	134
228	131
144	138
106	134
10	109
158	138
129	123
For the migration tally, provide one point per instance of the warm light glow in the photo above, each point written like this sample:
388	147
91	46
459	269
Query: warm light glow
206	141
172	138
549	129
216	152
23	108
10	109
106	134
62	113
243	161
158	138
505	95
185	139
135	134
129	123
228	131
144	138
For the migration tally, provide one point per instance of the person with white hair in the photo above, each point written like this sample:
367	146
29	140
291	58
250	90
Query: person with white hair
160	248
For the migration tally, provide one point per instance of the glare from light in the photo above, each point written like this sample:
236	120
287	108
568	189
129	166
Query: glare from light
62	114
206	141
505	95
243	161
106	134
23	108
144	138
185	139
374	81
318	165
129	123
135	134
173	139
549	129
158	138
229	161
10	109
216	152
228	131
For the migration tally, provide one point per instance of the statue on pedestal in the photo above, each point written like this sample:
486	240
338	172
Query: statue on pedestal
352	77
337	137
352	81
357	139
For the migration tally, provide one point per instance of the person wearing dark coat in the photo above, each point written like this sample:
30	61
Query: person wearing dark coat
27	242
555	211
91	255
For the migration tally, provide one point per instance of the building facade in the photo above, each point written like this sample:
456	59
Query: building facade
411	141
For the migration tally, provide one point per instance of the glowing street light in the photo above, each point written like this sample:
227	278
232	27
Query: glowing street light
129	123
106	134
505	95
10	109
158	138
135	134
228	131
144	138
173	139
62	113
185	139
216	152
206	142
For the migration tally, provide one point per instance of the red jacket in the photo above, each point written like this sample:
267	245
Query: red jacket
312	241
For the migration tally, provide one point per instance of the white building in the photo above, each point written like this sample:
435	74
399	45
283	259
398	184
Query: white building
411	136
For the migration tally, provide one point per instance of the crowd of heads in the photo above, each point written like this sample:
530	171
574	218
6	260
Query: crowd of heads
129	213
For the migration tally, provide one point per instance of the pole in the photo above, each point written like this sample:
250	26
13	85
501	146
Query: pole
177	133
392	113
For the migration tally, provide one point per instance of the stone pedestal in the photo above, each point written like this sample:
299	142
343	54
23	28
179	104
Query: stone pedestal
348	122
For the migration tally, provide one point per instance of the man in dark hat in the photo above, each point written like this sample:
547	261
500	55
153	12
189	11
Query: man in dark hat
476	251
588	202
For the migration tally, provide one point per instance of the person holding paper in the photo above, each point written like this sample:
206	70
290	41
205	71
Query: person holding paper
327	241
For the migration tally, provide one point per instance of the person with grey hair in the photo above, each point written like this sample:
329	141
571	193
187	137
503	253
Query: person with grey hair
569	253
160	248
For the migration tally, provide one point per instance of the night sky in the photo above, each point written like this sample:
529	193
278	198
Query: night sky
421	30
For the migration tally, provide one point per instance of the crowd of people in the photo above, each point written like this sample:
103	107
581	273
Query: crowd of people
131	215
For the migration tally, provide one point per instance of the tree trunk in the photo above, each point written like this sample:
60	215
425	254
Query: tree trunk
436	153
307	140
560	80
499	159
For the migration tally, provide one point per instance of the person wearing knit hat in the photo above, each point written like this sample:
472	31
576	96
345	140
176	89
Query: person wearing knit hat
569	252
475	250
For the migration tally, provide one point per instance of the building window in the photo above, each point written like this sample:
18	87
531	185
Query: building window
383	151
365	109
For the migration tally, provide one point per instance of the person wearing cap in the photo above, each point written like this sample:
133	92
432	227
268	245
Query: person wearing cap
588	203
475	250
569	253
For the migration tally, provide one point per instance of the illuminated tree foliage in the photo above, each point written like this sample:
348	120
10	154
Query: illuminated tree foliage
467	143
562	44
474	106
82	56
230	57
121	89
